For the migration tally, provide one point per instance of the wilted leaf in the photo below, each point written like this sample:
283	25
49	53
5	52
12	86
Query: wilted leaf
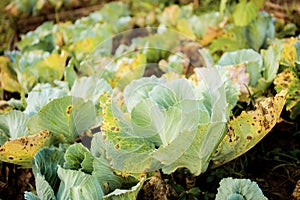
247	129
86	45
102	170
21	150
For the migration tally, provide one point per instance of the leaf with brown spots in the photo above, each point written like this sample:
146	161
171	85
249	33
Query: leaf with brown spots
123	149
246	130
289	52
22	150
288	79
69	109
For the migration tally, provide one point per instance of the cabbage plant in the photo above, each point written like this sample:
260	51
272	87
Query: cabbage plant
167	124
239	189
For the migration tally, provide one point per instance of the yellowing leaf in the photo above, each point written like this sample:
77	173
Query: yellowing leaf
171	14
231	40
8	83
55	60
246	130
288	54
210	35
59	39
284	80
184	27
46	69
122	148
288	79
22	150
109	122
86	45
128	71
8	78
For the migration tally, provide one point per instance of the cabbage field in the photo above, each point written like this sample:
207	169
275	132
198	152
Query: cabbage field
149	99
